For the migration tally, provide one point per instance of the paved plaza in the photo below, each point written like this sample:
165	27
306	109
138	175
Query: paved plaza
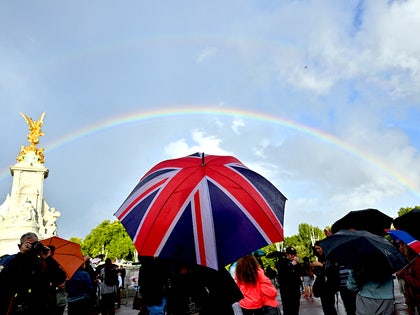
307	307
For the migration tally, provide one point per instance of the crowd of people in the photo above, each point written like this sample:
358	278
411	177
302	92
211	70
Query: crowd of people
32	282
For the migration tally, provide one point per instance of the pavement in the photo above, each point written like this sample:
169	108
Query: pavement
307	306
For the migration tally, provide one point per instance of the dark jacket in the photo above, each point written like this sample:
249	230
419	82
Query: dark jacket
28	282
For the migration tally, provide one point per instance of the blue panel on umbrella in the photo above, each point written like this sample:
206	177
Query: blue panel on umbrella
267	190
180	244
230	222
132	220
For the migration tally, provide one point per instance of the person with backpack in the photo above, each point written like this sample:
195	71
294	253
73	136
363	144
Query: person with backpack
109	282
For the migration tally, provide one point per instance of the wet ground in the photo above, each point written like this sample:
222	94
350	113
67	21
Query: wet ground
307	306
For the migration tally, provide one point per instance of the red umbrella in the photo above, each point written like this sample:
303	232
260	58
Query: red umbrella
68	254
205	209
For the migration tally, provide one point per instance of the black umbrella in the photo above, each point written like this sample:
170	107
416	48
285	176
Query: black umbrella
362	250
371	220
409	222
276	254
258	253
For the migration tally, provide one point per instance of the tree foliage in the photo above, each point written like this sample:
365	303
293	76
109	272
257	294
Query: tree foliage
303	242
110	240
305	239
77	240
407	209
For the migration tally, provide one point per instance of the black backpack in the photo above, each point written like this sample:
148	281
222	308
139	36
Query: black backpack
111	276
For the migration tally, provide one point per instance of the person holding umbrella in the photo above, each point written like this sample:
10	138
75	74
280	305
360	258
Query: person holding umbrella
374	296
372	260
289	271
370	220
325	271
199	290
27	280
411	276
152	282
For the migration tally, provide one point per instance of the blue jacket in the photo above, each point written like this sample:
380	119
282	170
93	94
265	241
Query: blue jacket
78	286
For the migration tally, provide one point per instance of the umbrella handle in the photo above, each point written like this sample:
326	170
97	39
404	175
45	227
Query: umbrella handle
12	301
409	263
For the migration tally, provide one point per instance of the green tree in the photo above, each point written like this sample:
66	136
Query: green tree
77	240
407	209
305	239
303	242
109	239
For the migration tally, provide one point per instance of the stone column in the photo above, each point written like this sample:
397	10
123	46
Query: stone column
25	209
24	206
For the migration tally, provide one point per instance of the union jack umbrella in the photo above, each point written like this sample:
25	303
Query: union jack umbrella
203	209
401	235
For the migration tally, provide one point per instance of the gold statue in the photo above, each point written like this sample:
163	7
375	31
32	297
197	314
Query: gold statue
33	138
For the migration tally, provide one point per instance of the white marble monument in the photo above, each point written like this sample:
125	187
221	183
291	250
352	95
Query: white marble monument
25	209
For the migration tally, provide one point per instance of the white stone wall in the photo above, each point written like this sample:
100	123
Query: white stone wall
25	209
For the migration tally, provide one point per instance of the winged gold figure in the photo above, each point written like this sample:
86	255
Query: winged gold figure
34	128
33	137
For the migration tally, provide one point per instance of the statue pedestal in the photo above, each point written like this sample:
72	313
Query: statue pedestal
25	209
10	236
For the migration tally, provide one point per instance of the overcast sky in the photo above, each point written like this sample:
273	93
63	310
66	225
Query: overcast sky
321	97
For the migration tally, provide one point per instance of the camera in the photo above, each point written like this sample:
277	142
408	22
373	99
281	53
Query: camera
38	248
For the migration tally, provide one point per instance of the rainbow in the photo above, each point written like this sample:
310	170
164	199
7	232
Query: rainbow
185	111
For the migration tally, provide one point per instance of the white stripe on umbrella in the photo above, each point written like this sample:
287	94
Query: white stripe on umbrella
205	242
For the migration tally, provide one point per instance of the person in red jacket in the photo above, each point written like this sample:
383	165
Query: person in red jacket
258	291
411	276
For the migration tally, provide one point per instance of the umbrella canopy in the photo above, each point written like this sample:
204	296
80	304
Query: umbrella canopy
409	222
276	254
400	235
371	220
68	254
96	260
362	249
259	253
204	209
